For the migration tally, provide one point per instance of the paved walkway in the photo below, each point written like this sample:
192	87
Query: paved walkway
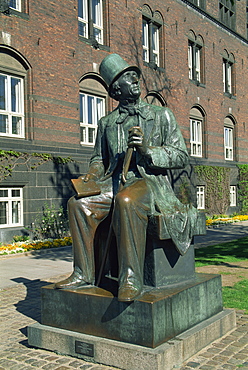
21	279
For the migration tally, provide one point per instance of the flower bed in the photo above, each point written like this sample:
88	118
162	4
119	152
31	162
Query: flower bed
22	247
226	220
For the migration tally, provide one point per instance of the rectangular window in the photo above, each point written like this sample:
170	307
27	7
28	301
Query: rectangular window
195	138
11	207
92	108
90	19
194	61
11	106
15	4
200	193
233	197
228	143
150	42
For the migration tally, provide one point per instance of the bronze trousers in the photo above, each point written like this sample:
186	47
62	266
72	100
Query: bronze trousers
129	221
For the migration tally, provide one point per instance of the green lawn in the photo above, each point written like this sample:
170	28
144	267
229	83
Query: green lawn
222	254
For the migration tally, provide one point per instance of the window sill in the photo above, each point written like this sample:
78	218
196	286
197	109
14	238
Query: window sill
230	96
153	66
198	83
94	43
16	13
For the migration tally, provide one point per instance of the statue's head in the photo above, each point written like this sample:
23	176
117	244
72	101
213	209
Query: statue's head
122	79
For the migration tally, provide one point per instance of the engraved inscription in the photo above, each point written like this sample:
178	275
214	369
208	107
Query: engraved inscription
84	348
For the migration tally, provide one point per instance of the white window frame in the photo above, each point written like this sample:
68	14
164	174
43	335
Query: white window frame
83	18
200	193
98	111
150	41
190	61
228	143
227	76
96	7
7	110
10	199
233	196
145	40
195	137
98	21
194	61
17	6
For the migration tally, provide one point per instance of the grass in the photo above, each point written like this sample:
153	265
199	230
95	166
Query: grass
236	296
223	254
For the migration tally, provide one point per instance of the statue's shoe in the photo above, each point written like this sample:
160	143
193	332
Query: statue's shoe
128	293
72	282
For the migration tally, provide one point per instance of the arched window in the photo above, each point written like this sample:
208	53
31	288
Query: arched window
13	73
196	132
92	101
153	97
228	73
152	36
229	138
196	58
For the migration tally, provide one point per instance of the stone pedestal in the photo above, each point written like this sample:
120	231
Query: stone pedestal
159	315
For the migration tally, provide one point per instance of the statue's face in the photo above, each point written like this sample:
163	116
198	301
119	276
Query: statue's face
129	85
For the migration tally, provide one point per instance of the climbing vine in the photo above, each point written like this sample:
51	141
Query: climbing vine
217	194
243	187
9	159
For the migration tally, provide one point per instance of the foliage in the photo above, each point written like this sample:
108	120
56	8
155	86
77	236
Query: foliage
9	159
217	187
236	296
20	238
52	223
243	187
222	254
184	193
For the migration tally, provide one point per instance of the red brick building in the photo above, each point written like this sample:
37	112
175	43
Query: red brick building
193	55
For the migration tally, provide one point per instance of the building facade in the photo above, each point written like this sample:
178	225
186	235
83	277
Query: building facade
193	57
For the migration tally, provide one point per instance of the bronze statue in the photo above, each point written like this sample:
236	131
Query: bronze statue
133	183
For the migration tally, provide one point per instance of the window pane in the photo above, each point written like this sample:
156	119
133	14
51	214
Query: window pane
91	133
99	110
82	29
3	123
16	125
15	95
90	109
16	192
3	193
97	12
16	212
3	92
97	35
82	107
3	213
82	9
83	134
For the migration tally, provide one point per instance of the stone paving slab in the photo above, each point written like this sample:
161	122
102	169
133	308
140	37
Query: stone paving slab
20	307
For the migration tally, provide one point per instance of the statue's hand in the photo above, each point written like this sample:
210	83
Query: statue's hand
89	176
136	139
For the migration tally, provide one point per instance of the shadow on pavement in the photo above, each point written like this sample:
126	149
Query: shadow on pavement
64	254
30	305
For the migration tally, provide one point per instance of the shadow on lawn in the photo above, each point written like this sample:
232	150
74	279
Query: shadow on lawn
223	253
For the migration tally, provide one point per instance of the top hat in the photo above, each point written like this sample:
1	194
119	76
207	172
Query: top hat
113	66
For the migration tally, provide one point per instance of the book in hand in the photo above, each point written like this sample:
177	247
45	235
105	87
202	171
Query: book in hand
85	189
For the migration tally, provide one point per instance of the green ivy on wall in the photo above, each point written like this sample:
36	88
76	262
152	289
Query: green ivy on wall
243	187
217	190
9	159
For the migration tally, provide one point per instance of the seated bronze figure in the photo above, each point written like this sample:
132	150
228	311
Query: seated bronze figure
135	146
